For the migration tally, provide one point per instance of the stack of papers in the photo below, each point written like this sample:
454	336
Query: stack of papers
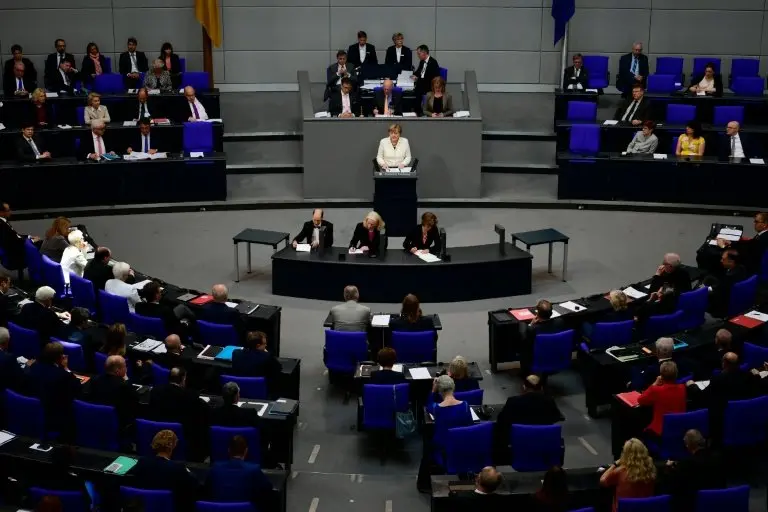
138	155
572	306
398	169
160	349
65	127
196	154
759	161
659	156
396	368
419	373
429	258
409	114
303	247
757	315
591	90
702	384
129	123
231	304
216	120
633	293
147	345
322	114
51	95
356	251
461	113
153	91
132	91
610	122
380	321
730	234
2	126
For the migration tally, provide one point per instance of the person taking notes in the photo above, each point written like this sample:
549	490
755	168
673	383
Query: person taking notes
425	237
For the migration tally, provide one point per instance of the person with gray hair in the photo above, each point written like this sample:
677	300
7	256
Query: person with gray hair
448	413
350	316
670	273
11	375
701	470
229	414
158	77
633	69
664	351
39	315
120	287
665	396
219	312
74	260
113	389
95	145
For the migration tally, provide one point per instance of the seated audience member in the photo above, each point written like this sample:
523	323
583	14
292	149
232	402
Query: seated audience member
710	83
701	470
362	52
54	60
18	57
636	110
344	102
426	71
665	396
193	109
367	235
351	315
387	100
336	72
176	355
720	287
484	496
12	241
114	341
18	82
132	63
73	260
8	308
661	302
752	249
633	69
113	389
531	407
671	273
448	412
11	375
691	143
152	307
394	151
122	272
52	382
425	238
159	472
664	351
411	318
30	146
60	476
399	55
633	475
310	231
735	144
94	64
39	316
98	270
386	375
158	78
174	402
437	102
142	141
712	359
63	78
542	323
218	312
171	63
39	111
553	495
140	109
95	145
644	142
229	414
77	332
236	480
56	239
95	110
254	360
619	312
458	370
576	77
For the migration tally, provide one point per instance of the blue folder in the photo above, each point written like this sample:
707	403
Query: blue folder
226	353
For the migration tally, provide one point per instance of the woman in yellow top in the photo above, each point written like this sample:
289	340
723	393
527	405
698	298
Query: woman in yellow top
691	142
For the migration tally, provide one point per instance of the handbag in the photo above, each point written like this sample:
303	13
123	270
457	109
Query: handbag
405	422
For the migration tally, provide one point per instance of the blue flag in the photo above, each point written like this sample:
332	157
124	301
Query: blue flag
562	12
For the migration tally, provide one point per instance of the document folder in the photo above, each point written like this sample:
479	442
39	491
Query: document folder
629	398
226	353
201	300
120	465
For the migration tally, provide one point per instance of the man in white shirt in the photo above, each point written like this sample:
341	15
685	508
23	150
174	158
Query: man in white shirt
143	143
344	103
362	52
94	146
736	144
118	286
194	109
29	148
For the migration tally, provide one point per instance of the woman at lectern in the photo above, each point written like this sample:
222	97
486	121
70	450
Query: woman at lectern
425	237
367	235
394	151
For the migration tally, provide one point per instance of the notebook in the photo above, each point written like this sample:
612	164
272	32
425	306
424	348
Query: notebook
147	345
629	398
201	300
746	321
247	307
188	297
121	465
226	353
283	407
210	352
521	314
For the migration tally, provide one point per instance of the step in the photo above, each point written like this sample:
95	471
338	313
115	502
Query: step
264	152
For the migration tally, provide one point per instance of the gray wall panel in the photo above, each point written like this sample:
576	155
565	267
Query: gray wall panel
178	26
489	3
704	30
151	3
267	67
493	67
54	4
494	29
77	26
274	3
608	30
416	23
381	3
698	5
550	68
276	29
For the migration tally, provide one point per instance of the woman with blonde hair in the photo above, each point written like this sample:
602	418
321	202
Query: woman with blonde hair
437	102
56	239
74	259
40	111
394	150
95	110
367	235
633	475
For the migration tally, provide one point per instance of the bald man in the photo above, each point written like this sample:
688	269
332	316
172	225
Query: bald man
735	144
310	231
218	312
112	388
176	354
389	101
193	110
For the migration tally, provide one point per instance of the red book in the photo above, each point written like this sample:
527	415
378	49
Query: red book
521	314
629	398
745	321
203	299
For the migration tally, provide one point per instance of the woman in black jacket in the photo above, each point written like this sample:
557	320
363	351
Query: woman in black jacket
94	64
367	235
411	317
171	63
425	237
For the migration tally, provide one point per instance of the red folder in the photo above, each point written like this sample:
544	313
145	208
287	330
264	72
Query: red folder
203	299
745	321
521	314
629	398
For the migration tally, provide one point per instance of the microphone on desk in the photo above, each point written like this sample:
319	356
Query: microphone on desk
444	245
499	229
321	240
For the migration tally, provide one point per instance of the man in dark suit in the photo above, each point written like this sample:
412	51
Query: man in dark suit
753	249
143	108
132	64
362	52
98	270
11	242
236	480
152	307
701	470
176	355
254	360
96	144
39	316
399	55
11	375
17	81
51	381
576	77
143	141
720	287
54	60
483	497
542	323
633	69
218	312
712	358
387	358
310	231
427	69
30	147
18	57
635	110
735	144
336	71
229	414
388	101
112	388
345	102
671	274
532	407
62	79
8	307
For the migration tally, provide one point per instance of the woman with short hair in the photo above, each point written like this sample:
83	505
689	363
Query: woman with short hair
73	259
425	238
394	150
644	142
159	78
95	110
40	111
367	235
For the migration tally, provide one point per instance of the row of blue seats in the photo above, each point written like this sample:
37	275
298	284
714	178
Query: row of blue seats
112	83
586	111
345	350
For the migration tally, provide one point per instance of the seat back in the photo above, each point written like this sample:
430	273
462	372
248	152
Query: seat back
745	67
71	501
114	309
53	276
108	83
597	67
700	63
343	350
583	111
221	335
34	261
198	136
673	147
609	334
680	114
745	422
99	360
670	66
415	346
83	294
210	506
24	415
469	449
24	342
80	115
381	402
584	139
147	326
160	375
748	86
763	274
536	447
472	397
662	325
146	430
655	504
693	304
742	296
151	500
96	426
182	64
724	114
254	388
552	352
754	355
661	84
74	353
734	499
674	428
200	80
107	64
222	436
444	74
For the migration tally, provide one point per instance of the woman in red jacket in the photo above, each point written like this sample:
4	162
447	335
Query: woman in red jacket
665	396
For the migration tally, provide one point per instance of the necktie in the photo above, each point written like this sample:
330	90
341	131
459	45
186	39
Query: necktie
34	147
61	57
146	144
630	111
20	85
142	110
194	109
733	146
66	78
100	149
633	69
386	105
133	61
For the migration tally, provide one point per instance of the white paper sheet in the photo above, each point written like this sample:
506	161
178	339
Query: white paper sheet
214	120
555	314
231	304
322	114
763	374
260	410
196	154
380	321
572	306
129	123
153	91
428	257
730	231
65	127
136	155
759	161
610	122
23	302
2	126
475	417
419	373
146	345
461	113
635	294
51	95
205	399
591	90
5	437
357	251
397	368
757	315
409	114
659	156
398	169
303	247
160	349
702	384
701	93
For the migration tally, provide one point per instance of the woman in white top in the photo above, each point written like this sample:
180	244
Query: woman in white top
73	260
394	150
710	83
95	110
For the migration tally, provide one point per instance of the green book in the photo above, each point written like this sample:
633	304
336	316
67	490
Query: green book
120	465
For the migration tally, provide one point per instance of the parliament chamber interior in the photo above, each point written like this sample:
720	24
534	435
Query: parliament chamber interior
345	255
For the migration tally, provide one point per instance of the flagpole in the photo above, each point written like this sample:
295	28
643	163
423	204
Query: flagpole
208	57
564	55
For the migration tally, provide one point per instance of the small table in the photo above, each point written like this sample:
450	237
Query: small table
256	236
544	236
